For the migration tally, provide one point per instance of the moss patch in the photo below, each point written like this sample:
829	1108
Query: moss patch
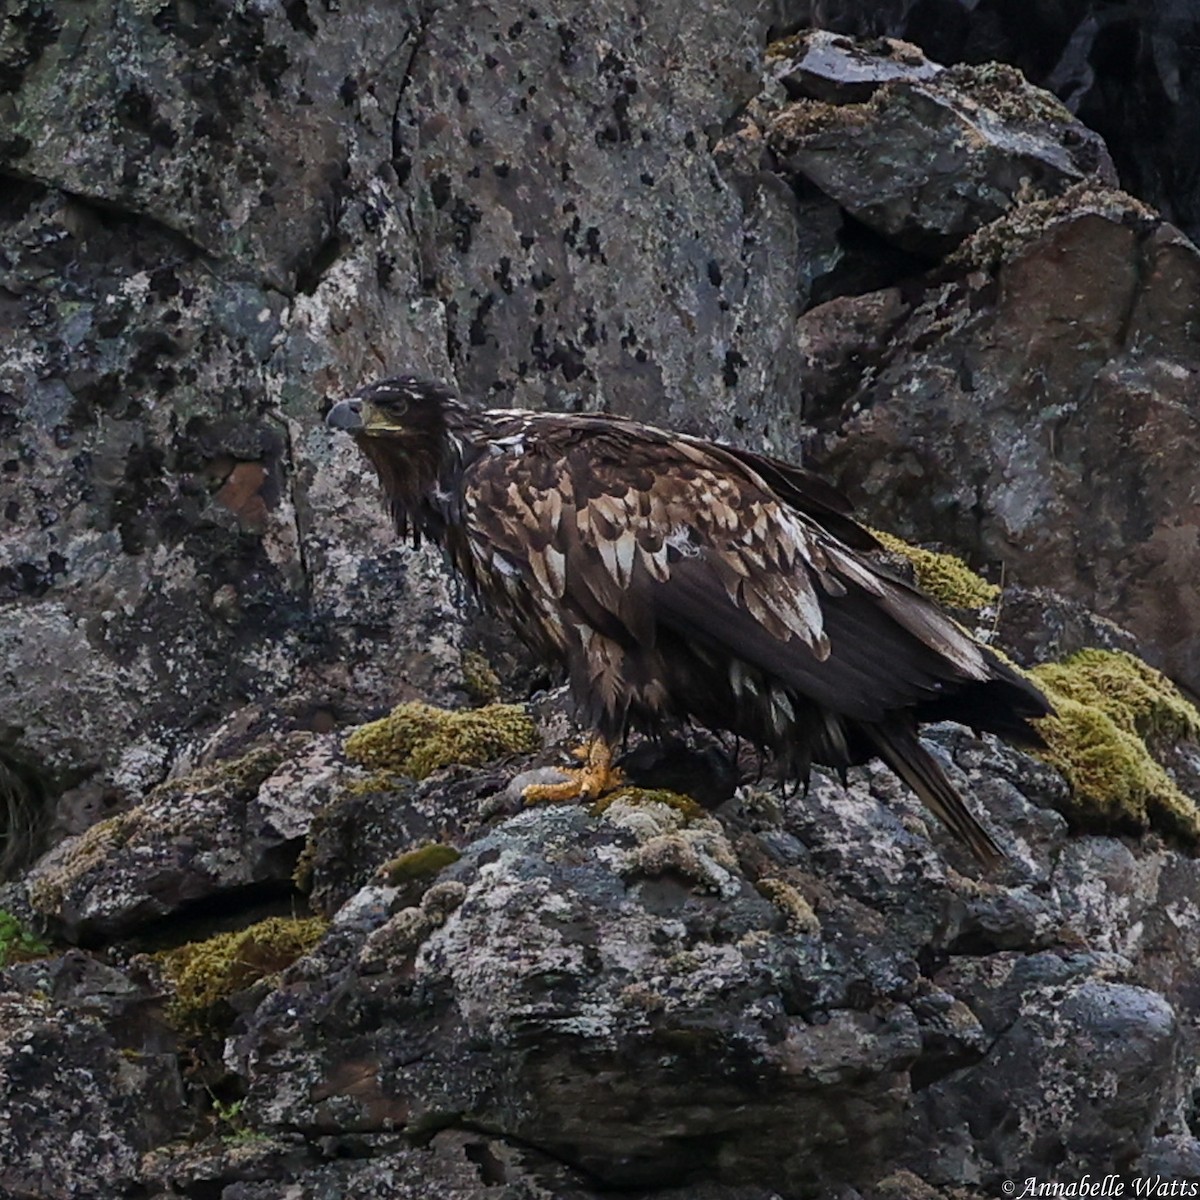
423	863
416	739
947	579
482	683
688	808
796	910
1113	710
206	974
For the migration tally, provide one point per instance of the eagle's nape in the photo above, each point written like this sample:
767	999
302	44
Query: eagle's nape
679	580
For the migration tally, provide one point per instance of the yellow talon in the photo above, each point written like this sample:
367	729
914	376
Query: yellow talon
596	778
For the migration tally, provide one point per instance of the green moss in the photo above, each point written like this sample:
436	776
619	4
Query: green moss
206	973
419	865
482	683
796	910
18	944
1112	710
416	739
1141	700
947	579
683	805
377	781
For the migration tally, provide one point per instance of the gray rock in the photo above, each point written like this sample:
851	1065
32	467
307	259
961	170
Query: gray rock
608	940
1031	1104
1126	71
235	826
54	1061
920	155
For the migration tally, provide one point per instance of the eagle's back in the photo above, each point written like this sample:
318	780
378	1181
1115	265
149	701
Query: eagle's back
679	579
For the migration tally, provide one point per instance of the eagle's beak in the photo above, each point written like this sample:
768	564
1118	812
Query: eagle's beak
346	414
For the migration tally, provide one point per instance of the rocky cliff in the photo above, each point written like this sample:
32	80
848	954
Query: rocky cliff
251	957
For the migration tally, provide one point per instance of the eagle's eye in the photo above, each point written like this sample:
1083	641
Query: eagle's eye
395	404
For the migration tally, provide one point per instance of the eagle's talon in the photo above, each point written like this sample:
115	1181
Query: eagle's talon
596	778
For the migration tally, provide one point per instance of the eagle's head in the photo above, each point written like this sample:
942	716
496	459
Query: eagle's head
404	409
402	425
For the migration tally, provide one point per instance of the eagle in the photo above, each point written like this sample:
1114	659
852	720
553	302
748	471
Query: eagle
678	580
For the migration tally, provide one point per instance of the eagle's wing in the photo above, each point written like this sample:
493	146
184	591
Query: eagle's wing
629	531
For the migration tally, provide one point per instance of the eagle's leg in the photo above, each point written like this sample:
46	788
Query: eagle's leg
596	778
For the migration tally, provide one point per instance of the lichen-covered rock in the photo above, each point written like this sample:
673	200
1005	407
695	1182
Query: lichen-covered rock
599	950
54	1061
801	984
1033	1104
1127	72
233	826
920	154
1033	411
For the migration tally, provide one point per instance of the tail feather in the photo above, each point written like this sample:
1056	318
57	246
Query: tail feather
901	749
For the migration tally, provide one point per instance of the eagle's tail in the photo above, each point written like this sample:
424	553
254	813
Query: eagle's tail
901	749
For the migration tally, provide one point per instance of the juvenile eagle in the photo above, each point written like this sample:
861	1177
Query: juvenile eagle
678	579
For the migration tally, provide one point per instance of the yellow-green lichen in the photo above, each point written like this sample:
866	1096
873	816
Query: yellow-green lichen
89	850
416	739
418	865
796	910
481	681
205	974
688	808
947	579
1112	711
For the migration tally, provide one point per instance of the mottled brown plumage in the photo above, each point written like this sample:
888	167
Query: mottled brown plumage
677	579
